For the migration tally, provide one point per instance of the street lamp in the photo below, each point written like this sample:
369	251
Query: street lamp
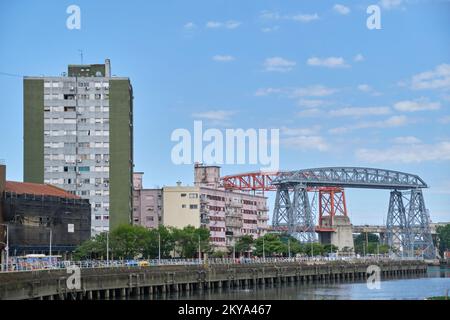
50	248
199	251
7	245
107	248
264	251
289	248
159	248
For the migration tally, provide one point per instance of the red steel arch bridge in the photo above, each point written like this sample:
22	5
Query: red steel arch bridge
408	220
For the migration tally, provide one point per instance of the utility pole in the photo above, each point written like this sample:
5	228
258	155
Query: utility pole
7	245
264	251
289	248
107	248
159	248
50	247
199	251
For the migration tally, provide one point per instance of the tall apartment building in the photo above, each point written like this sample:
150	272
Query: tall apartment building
147	204
78	135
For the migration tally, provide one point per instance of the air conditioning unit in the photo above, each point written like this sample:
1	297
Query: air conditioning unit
98	161
79	185
97	184
78	160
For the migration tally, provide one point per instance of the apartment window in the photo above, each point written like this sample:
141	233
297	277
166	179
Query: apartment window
98	96
183	195
183	206
193	195
193	206
83	169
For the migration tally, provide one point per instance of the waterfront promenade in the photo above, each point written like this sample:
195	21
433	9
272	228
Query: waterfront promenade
121	281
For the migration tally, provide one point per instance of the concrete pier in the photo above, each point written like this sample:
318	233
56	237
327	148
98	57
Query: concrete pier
113	283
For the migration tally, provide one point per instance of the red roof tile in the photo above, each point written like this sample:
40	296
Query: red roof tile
38	189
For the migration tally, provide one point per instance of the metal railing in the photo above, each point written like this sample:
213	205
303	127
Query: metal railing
93	264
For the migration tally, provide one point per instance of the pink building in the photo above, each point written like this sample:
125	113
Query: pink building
229	215
147	204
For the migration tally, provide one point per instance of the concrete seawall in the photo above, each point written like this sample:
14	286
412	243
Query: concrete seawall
109	283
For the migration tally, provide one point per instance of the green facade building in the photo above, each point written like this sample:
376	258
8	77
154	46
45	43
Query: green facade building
78	135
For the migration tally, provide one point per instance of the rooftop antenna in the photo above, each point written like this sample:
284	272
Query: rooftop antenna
81	55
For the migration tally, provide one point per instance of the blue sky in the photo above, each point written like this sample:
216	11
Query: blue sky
341	94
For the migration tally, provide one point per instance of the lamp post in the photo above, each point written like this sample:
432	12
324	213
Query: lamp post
289	248
199	251
264	251
159	248
6	245
107	248
50	247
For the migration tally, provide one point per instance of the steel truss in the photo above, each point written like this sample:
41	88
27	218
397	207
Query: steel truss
408	226
293	212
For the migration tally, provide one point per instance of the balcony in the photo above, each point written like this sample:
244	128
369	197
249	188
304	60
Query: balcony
262	207
264	217
234	223
234	204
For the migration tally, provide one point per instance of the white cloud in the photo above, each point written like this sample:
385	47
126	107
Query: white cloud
308	103
303	138
223	58
364	88
439	78
231	24
278	64
266	91
331	62
390	4
391	122
406	140
313	112
189	26
359	58
421	104
341	9
368	89
415	153
304	18
360	112
216	115
313	91
444	120
270	29
300	131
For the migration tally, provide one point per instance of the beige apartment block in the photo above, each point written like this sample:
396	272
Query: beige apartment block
181	206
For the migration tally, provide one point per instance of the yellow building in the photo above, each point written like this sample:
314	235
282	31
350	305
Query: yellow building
181	206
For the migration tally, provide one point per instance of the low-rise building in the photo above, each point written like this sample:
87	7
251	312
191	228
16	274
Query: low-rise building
40	215
181	206
228	215
147	204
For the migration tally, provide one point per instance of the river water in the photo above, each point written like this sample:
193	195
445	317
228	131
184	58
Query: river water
435	283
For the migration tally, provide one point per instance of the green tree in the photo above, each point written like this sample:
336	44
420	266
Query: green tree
443	236
166	235
271	244
187	241
129	242
244	244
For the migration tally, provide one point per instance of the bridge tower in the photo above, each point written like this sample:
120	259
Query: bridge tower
334	224
418	222
293	213
396	223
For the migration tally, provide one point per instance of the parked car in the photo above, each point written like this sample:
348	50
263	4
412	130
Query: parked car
144	263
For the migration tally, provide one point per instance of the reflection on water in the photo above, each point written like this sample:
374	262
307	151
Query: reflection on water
436	283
